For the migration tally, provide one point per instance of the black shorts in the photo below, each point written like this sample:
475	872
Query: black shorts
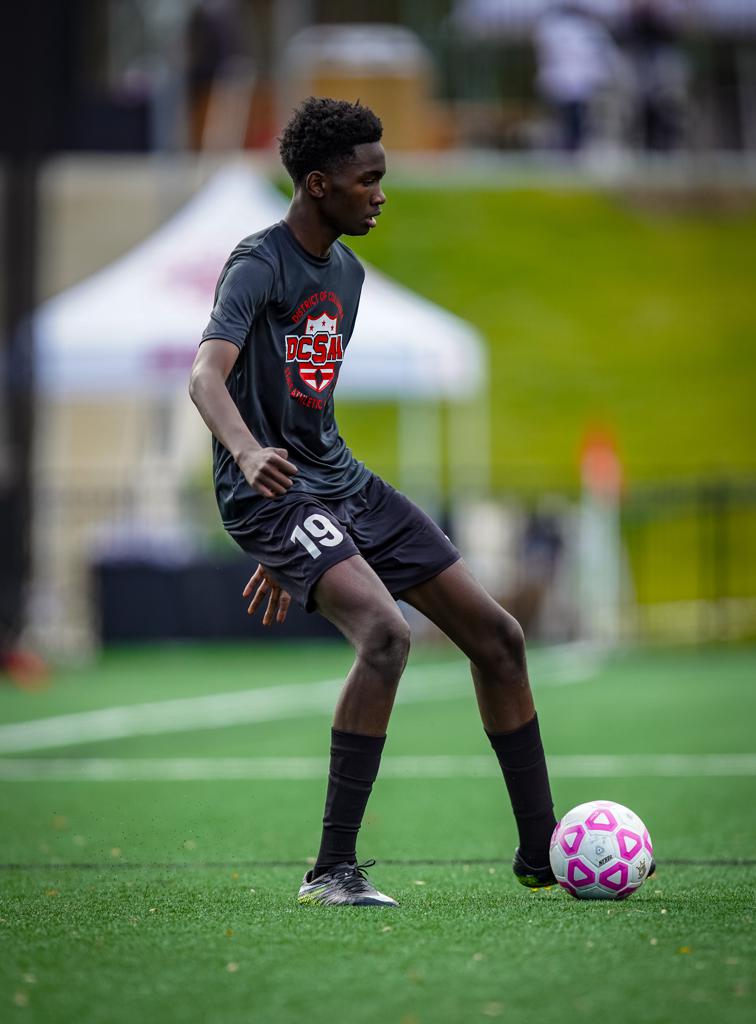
297	537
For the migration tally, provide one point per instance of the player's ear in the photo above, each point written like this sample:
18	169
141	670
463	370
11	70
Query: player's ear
315	184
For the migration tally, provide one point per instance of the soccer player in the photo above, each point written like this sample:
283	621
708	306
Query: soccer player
324	529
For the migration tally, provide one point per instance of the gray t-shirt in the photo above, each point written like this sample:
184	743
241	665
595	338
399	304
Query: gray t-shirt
291	315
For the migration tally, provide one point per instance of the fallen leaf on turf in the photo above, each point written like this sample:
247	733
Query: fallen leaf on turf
234	874
493	1009
685	949
654	942
732	961
52	892
59	822
21	999
478	956
409	1018
229	932
232	968
189	844
116	852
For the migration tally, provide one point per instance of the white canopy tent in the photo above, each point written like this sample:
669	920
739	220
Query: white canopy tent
112	358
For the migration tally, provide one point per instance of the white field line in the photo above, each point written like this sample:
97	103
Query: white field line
444	681
201	769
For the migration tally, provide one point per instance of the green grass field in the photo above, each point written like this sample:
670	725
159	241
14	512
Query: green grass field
151	855
595	310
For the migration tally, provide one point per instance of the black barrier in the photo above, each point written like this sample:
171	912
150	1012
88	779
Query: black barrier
138	601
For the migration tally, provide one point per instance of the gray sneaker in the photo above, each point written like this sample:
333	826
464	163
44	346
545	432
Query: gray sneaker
343	885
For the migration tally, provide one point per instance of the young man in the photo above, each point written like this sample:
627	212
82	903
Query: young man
322	527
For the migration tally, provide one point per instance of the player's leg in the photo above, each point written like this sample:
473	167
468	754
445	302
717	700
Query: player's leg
306	548
351	596
417	561
494	643
490	637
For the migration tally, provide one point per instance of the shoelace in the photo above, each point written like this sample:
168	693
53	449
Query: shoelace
355	879
362	868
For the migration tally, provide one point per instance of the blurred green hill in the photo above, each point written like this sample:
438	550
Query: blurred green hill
597	310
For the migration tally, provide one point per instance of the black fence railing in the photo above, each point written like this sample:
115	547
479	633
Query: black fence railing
691	552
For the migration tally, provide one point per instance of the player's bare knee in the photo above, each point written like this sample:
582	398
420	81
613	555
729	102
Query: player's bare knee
385	647
510	641
502	649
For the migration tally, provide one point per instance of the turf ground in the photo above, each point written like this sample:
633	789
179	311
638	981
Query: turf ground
152	850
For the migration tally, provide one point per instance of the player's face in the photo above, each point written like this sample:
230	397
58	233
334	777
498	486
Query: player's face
354	199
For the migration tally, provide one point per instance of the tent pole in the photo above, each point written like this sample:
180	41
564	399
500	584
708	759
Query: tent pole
469	447
420	450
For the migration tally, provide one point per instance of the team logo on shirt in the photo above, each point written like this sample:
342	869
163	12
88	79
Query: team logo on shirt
317	352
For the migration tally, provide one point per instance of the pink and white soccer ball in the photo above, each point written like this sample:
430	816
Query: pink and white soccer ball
601	851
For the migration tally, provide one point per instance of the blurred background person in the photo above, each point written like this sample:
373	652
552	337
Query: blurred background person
658	75
541	546
576	59
212	41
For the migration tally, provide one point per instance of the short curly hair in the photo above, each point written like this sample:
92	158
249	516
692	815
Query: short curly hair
322	134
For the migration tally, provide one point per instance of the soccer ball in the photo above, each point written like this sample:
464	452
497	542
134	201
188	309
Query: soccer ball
600	851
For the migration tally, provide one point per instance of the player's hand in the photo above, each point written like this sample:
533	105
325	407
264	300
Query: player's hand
267	470
278	600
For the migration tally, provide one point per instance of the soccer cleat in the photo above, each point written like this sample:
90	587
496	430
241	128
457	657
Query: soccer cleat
530	877
343	885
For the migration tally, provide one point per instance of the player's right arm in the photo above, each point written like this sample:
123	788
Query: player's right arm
267	470
278	598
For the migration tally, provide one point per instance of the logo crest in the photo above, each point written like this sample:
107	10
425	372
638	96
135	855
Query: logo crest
317	352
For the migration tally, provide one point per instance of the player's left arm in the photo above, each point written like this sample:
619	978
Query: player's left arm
278	599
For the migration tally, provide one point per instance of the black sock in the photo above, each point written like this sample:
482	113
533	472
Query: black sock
523	764
354	766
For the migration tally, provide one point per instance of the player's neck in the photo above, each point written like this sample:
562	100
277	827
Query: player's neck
308	228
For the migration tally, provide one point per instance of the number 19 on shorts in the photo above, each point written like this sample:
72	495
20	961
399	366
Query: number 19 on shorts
316	528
